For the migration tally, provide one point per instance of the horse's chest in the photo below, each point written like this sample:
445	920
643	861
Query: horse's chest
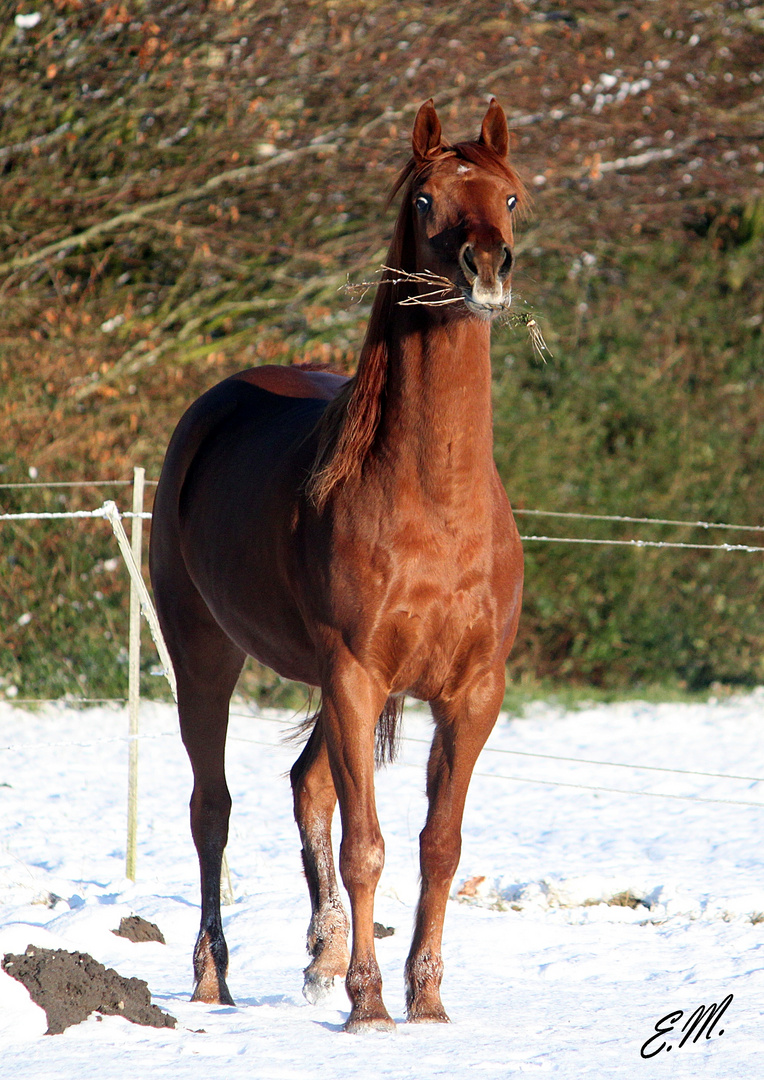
418	650
419	606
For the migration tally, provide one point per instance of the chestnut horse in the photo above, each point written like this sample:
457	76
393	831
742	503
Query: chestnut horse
353	534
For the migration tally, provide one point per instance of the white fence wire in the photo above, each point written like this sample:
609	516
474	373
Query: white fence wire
105	511
108	511
643	543
288	725
639	520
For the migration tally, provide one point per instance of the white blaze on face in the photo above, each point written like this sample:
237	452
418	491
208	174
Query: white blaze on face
462	168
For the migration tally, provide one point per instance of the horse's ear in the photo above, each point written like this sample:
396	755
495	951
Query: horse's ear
494	133
426	136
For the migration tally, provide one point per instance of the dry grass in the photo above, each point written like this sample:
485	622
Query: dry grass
437	296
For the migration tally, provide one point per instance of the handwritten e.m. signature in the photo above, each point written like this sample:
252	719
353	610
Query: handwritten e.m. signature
703	1019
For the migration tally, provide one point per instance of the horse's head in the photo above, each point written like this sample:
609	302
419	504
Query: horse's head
461	199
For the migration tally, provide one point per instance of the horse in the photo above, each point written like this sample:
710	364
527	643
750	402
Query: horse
353	535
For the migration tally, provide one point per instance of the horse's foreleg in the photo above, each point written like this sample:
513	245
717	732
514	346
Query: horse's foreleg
462	729
351	706
314	802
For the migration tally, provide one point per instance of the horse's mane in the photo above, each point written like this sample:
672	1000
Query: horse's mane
347	428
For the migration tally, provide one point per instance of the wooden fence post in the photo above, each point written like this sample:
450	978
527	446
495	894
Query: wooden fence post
134	674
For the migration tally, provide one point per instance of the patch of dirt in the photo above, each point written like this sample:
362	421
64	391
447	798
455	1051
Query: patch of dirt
69	986
470	887
134	928
621	899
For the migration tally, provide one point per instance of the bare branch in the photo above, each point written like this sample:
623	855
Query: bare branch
130	217
38	140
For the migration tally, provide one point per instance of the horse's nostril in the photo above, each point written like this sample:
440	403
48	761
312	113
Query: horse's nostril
468	260
506	265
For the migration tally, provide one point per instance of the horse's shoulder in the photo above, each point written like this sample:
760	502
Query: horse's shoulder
294	382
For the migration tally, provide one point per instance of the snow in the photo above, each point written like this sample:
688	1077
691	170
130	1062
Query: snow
542	975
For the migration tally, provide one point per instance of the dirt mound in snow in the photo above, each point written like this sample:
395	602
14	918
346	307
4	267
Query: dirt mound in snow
134	928
69	986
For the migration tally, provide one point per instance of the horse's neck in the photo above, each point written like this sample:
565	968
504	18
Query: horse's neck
436	422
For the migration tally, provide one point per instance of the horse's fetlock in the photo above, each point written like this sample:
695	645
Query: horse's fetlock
363	980
424	973
328	924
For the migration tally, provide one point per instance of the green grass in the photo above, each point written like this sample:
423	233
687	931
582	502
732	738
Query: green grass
571	697
650	407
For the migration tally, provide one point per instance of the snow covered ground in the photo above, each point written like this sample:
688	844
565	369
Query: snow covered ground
542	974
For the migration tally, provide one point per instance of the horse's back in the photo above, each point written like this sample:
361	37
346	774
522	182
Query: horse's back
267	403
230	489
294	382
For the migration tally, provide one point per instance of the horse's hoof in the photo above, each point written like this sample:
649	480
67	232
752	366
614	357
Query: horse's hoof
212	991
427	1012
429	1018
317	988
358	1025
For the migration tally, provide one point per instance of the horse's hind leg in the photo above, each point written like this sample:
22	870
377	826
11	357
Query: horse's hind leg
314	802
207	665
204	722
463	725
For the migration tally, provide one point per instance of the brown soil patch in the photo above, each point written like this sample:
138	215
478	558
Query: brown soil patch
69	986
134	928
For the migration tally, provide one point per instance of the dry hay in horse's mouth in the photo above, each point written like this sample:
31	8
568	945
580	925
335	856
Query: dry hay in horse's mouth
526	319
441	286
437	297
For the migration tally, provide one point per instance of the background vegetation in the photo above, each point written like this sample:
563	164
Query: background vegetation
185	187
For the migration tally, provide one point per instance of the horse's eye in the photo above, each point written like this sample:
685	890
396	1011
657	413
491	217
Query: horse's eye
511	202
423	203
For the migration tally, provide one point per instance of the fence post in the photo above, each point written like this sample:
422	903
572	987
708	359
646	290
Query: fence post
111	513
134	674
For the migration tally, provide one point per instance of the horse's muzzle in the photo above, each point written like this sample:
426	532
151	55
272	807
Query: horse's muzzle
487	273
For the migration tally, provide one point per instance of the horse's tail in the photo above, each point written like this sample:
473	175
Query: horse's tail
387	739
387	734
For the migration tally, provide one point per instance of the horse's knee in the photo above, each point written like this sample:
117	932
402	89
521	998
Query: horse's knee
439	853
362	860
